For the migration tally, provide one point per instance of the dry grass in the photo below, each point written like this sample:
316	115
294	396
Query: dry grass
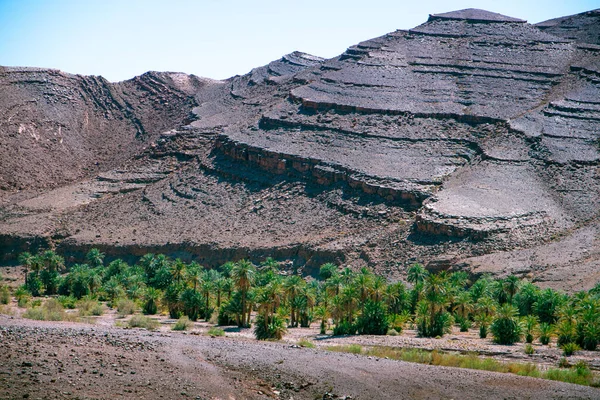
140	321
306	343
51	310
580	374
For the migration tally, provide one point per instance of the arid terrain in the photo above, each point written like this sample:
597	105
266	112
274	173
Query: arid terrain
66	360
468	142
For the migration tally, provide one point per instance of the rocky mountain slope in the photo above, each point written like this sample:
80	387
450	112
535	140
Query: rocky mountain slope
470	141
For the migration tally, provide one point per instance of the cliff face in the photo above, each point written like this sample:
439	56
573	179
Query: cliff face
472	134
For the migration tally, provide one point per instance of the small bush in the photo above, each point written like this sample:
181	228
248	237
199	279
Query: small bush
23	296
344	328
570	348
4	295
214	331
52	310
140	321
373	320
563	363
183	324
89	307
464	324
67	301
392	332
398	321
546	331
273	329
529	350
506	327
530	323
306	343
125	307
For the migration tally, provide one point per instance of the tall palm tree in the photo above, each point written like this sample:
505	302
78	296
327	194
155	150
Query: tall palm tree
511	286
178	271
242	274
194	275
293	286
27	260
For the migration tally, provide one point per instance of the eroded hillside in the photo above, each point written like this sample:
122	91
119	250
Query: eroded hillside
465	142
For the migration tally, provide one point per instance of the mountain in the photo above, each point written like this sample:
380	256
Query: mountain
468	142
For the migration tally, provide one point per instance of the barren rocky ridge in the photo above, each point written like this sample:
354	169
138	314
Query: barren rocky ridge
470	141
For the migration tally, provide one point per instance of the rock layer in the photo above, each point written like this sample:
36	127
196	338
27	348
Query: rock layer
473	133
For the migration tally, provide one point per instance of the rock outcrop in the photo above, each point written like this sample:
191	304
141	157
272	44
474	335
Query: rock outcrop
474	133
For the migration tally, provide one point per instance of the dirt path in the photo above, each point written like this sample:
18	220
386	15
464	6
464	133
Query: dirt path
67	361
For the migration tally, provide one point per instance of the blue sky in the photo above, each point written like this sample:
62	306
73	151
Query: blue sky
119	39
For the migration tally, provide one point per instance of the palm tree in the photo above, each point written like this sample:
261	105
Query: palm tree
363	283
334	284
293	286
417	274
178	271
194	275
207	287
463	307
26	259
378	288
95	258
511	286
242	274
151	298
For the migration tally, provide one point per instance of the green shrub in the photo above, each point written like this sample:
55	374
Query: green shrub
125	307
464	324
151	298
34	284
140	321
392	332
397	321
506	327
530	324
89	307
274	328
350	348
225	318
214	331
546	331
183	324
566	332
344	328
570	348
529	349
4	295
373	320
67	301
52	310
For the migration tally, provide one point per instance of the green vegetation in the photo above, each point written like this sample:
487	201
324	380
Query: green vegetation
51	310
214	331
125	307
4	295
349	302
529	349
183	324
140	321
89	307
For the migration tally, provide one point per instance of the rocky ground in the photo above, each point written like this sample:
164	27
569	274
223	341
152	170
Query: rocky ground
58	360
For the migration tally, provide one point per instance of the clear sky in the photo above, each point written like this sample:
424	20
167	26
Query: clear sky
119	39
